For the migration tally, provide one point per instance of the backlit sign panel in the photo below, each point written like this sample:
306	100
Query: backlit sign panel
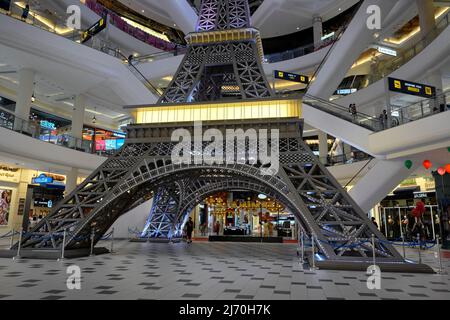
93	30
412	88
291	77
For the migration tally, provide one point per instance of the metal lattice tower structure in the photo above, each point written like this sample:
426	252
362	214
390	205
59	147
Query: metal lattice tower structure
223	60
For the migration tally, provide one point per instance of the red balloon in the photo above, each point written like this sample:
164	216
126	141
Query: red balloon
427	164
447	168
441	171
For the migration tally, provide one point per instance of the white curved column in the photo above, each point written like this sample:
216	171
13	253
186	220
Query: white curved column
346	51
181	13
381	179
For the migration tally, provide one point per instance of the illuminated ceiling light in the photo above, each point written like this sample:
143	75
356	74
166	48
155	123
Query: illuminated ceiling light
33	98
262	196
146	29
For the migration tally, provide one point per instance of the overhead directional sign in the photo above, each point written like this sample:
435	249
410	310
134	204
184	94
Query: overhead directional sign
291	77
93	30
412	88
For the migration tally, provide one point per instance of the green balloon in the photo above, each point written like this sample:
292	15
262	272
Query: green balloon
448	149
408	164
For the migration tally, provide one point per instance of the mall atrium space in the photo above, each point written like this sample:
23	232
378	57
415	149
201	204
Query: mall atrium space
224	151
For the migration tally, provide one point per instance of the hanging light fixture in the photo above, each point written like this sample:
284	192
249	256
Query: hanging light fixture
94	119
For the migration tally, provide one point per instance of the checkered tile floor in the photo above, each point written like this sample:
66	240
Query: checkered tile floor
209	271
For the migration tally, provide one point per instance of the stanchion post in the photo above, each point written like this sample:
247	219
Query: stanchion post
12	239
112	241
403	246
302	239
374	250
92	242
19	245
313	249
418	247
441	270
63	246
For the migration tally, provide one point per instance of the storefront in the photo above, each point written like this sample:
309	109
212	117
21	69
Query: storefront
9	183
52	128
243	214
394	215
27	194
103	141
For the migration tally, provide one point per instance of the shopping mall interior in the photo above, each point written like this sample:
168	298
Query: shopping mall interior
225	149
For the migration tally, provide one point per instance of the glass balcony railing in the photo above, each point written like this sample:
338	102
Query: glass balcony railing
45	20
421	109
382	68
33	129
58	27
400	115
364	120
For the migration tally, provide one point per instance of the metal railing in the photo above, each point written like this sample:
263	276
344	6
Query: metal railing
33	129
343	159
421	109
131	65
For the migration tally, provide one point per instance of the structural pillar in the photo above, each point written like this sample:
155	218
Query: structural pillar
71	181
318	31
347	152
24	95
323	147
78	120
426	16
435	79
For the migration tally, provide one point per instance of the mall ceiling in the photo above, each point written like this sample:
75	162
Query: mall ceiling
289	16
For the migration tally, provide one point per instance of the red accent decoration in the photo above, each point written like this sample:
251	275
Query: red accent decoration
447	168
419	210
427	164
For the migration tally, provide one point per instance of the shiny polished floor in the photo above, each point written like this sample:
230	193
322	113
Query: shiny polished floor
209	271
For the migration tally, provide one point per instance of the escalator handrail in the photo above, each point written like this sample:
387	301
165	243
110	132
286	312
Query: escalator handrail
140	73
341	108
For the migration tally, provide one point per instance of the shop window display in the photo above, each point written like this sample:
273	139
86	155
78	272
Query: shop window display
244	214
5	204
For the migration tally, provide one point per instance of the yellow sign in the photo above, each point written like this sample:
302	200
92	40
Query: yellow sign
397	84
9	174
428	91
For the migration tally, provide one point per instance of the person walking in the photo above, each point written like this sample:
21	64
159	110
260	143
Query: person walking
189	230
353	112
374	222
25	12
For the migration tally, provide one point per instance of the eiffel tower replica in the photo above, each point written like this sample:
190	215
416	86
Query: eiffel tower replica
222	83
